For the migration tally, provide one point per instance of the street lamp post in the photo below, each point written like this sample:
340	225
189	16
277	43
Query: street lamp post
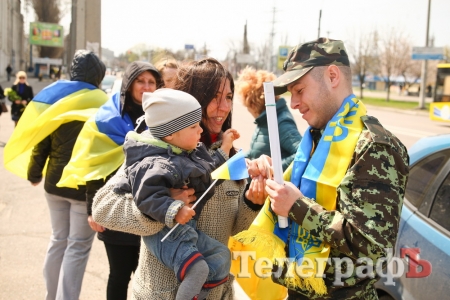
423	80
318	29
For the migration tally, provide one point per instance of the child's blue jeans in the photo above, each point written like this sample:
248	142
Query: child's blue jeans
185	246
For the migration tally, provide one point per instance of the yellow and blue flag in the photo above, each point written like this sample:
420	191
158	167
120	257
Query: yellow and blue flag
317	177
233	169
61	102
263	243
99	148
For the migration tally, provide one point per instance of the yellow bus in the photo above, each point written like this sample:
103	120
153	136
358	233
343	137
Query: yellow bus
440	107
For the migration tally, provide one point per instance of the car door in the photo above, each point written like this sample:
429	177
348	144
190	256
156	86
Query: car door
425	226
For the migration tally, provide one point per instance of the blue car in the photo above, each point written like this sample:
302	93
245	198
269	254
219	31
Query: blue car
423	243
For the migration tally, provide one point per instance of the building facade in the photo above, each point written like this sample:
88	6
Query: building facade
85	28
12	39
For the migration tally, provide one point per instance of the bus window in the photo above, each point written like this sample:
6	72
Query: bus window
440	108
442	92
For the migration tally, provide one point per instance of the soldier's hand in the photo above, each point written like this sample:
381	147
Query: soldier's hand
282	196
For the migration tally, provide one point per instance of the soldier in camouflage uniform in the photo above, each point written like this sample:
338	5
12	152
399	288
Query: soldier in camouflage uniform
370	195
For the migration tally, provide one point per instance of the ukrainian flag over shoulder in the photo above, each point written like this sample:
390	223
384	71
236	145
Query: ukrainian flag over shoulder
61	102
99	148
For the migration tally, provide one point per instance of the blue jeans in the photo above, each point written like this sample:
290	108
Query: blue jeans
69	247
185	246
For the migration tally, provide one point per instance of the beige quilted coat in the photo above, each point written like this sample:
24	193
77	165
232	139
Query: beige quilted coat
224	215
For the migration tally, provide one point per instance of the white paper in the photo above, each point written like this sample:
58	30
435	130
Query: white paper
275	152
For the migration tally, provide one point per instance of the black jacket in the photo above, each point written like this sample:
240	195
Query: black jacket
26	94
58	146
128	106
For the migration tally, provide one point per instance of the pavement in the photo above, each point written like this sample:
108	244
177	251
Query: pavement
25	231
25	226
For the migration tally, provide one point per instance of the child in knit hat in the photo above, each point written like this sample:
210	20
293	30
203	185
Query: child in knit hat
169	155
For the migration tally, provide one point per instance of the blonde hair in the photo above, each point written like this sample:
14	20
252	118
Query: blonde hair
21	74
250	88
166	63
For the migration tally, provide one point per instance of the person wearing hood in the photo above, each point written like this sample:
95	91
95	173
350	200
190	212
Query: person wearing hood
50	137
98	154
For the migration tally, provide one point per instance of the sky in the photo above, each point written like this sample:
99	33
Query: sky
219	24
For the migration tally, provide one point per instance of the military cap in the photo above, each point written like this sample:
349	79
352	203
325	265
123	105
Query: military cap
304	57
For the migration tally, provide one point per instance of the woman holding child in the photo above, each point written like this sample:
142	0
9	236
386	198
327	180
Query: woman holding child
226	213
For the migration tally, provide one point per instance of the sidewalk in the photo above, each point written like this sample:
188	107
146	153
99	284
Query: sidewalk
25	230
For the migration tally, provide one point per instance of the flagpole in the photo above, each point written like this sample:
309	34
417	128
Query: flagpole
193	206
274	140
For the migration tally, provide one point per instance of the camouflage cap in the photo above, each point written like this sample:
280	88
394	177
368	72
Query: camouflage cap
304	57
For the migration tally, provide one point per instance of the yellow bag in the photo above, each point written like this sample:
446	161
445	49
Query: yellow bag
256	287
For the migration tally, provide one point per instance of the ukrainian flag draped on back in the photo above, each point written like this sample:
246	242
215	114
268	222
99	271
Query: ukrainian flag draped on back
61	102
99	148
317	177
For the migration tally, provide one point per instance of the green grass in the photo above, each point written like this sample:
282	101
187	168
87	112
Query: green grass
393	103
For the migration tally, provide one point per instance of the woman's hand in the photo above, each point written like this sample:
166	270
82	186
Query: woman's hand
256	192
17	101
94	225
261	166
24	102
184	194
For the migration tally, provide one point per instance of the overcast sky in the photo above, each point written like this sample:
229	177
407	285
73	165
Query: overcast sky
220	23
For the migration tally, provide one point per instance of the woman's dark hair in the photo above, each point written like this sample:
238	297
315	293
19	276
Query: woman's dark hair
202	79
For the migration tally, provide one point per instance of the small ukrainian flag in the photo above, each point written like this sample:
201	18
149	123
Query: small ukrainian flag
233	169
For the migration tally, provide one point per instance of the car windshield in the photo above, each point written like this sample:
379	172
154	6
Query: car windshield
108	80
116	86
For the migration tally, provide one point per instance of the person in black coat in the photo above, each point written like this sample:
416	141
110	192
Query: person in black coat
72	237
25	92
122	248
8	71
2	96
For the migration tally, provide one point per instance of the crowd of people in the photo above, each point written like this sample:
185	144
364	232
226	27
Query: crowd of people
130	167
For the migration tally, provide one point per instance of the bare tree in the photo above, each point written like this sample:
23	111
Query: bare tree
262	55
406	66
447	54
414	72
392	52
161	53
363	53
50	11
234	48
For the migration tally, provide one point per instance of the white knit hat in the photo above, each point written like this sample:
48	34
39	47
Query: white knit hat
168	111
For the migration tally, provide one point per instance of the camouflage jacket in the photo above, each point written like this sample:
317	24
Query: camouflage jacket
366	219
